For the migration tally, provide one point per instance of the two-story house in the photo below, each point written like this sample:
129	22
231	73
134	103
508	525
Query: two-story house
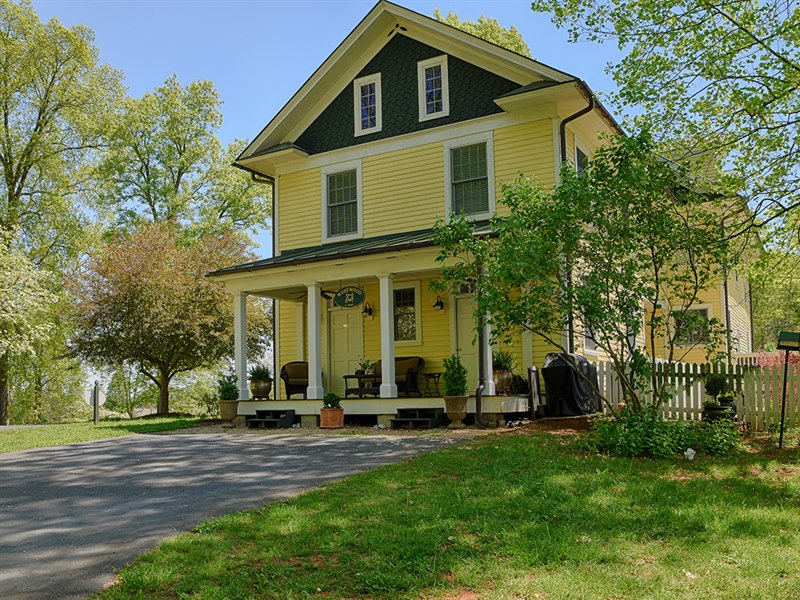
406	122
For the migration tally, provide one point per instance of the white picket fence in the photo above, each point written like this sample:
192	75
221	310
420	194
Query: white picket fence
758	391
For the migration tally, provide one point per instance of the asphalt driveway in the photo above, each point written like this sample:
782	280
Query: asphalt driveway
71	515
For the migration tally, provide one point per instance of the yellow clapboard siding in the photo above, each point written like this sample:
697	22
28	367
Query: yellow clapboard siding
435	345
527	149
300	216
403	190
287	312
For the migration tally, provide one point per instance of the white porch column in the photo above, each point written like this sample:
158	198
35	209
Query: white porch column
240	343
488	386
301	334
314	389
388	385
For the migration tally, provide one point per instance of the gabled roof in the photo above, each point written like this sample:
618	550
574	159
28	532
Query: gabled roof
370	35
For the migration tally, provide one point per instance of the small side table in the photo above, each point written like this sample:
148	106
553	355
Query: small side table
365	385
434	377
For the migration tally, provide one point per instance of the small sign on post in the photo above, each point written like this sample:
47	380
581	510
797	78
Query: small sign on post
96	401
787	340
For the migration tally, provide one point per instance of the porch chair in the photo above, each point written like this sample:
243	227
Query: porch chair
295	378
406	374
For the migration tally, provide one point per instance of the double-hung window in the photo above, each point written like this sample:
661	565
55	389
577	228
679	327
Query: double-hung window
368	114
470	185
693	328
433	88
581	160
406	315
341	192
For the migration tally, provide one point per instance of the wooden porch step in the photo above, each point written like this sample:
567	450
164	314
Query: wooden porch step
418	418
280	419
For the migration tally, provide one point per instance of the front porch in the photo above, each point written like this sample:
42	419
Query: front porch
496	408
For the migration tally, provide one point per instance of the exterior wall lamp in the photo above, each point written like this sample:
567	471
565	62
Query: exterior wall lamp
367	310
439	304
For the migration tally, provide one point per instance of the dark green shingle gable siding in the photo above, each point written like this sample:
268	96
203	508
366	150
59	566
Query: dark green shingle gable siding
472	91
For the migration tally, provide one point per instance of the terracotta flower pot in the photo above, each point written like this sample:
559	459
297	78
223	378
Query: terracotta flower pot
456	408
331	418
260	388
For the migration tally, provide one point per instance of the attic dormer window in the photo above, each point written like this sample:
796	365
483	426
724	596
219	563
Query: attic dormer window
432	88
367	104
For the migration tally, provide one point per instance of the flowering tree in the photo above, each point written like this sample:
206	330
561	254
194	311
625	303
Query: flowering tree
145	299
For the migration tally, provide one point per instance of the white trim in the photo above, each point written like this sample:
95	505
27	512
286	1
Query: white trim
417	313
421	66
332	170
357	83
276	246
488	139
709	308
481	125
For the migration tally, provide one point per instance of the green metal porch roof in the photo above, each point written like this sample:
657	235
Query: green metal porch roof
341	250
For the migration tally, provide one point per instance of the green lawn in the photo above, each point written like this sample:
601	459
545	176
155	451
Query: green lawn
12	440
505	517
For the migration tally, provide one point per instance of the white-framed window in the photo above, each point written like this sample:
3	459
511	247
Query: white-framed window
341	201
407	329
469	176
692	329
581	160
589	343
432	88
367	111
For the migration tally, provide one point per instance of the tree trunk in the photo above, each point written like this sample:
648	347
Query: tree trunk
163	392
4	376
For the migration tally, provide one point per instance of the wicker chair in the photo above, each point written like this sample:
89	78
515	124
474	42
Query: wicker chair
295	378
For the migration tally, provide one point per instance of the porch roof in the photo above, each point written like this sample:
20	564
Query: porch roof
374	245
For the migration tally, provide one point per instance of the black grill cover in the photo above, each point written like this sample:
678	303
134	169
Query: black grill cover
571	389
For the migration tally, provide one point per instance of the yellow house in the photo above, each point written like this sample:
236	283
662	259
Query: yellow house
407	121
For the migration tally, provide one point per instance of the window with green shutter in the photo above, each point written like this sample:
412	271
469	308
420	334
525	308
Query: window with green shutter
470	179
342	203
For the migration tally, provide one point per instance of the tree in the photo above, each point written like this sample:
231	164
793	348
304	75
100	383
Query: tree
127	390
145	299
24	304
637	248
775	285
489	30
165	163
54	96
718	79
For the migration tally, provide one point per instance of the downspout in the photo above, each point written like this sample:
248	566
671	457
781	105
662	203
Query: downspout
563	141
269	180
480	420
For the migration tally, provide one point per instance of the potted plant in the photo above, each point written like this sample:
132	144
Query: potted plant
455	390
722	404
228	392
503	365
260	381
331	415
366	366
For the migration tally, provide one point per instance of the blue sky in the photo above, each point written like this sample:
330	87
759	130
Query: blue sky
259	52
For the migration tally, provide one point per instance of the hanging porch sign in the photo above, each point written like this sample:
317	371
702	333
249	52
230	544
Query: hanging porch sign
349	297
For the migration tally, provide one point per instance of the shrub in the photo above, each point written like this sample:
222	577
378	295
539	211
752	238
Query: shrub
503	360
646	433
331	400
227	387
455	376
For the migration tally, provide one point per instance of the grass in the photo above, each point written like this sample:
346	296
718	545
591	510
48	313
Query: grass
56	435
505	517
